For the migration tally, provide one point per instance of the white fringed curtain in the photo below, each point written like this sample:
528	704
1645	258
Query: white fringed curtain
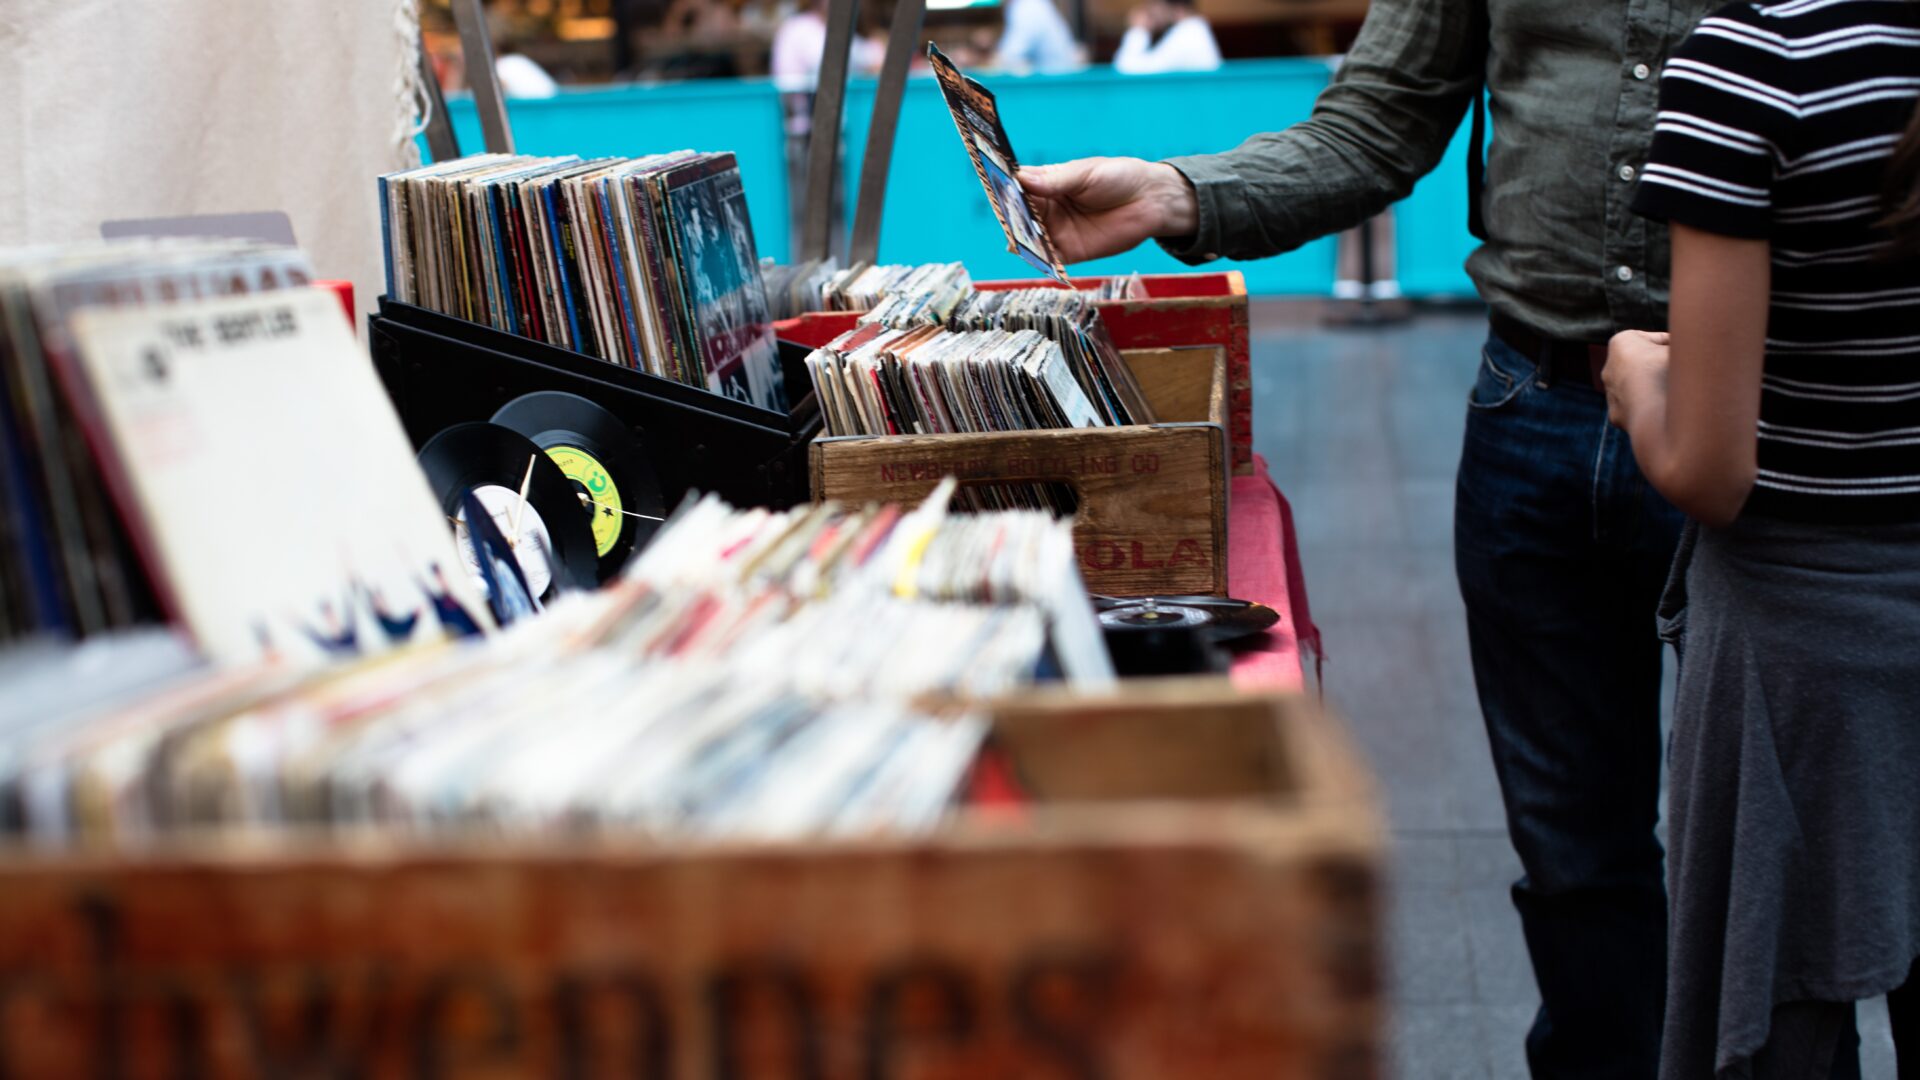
151	108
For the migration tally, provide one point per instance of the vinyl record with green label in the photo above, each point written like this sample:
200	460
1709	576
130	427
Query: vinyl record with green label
612	479
551	539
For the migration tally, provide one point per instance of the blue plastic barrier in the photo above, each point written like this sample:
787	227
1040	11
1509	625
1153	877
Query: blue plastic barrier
935	208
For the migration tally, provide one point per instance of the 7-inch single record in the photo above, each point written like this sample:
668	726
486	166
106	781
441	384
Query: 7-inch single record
602	461
1217	618
493	462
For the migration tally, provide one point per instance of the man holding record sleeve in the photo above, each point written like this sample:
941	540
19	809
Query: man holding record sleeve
1560	546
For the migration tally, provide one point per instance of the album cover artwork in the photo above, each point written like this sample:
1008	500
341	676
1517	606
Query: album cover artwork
708	210
646	262
977	116
270	478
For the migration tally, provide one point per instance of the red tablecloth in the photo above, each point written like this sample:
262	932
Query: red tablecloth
1263	564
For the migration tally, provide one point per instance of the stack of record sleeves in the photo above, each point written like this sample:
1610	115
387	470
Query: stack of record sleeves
931	381
68	562
926	297
1121	287
1016	360
754	674
796	288
1070	318
646	262
863	288
820	285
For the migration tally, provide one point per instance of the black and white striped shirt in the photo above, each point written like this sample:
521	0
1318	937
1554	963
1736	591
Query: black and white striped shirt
1776	122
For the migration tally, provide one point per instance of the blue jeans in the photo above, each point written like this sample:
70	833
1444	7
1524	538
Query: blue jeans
1562	549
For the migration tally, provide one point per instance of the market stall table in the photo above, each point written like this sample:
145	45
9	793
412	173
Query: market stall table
1263	564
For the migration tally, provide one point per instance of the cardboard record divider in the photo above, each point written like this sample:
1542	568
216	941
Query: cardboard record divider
495	462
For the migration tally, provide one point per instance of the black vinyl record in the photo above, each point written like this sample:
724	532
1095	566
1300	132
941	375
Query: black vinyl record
602	461
1217	618
489	457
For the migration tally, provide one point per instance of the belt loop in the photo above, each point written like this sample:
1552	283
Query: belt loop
1542	371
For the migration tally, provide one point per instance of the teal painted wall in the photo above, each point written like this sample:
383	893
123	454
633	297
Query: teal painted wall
935	208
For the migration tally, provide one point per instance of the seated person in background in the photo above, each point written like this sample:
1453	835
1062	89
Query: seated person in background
1037	38
1166	35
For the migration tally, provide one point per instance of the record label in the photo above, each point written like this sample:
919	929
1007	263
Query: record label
524	529
601	459
586	470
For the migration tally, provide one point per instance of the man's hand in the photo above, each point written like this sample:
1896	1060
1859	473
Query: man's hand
1635	375
1103	206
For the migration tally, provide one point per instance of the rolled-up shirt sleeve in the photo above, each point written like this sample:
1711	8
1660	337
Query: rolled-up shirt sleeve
1383	122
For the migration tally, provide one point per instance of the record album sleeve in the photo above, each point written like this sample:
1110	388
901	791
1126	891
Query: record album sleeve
257	452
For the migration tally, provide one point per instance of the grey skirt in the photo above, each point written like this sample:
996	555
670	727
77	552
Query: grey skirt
1794	797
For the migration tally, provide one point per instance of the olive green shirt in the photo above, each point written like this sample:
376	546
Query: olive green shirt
1573	88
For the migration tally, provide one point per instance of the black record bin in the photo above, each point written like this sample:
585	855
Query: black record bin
441	371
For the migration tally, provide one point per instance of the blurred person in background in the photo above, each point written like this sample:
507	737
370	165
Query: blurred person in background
1166	35
521	76
798	47
699	39
1037	38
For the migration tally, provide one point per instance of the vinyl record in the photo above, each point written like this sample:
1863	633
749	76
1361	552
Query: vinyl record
554	540
602	461
1218	618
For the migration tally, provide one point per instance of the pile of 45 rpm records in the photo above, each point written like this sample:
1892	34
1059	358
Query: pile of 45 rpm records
752	674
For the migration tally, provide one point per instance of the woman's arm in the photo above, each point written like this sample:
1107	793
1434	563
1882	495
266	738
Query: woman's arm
1690	400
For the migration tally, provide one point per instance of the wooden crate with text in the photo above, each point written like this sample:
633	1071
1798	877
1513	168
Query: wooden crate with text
1180	309
1152	516
1191	888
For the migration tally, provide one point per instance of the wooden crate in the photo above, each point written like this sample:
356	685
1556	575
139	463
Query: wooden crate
1152	515
1192	892
1180	309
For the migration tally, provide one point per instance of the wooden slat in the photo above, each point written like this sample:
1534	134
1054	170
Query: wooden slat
1181	384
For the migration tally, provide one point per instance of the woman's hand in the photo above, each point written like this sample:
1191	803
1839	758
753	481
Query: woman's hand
1635	375
1103	206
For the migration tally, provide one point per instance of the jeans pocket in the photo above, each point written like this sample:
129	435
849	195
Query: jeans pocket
1498	384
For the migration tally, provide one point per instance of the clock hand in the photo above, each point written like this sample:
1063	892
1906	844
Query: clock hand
513	523
588	500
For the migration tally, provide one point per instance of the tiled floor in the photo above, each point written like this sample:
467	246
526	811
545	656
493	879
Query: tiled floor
1362	430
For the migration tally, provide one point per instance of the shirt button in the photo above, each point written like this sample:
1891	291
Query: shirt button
1624	273
1641	71
1626	172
